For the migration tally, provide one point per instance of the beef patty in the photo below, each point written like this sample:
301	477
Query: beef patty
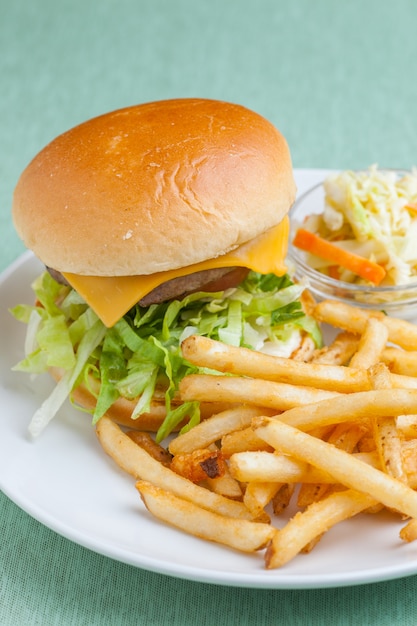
216	279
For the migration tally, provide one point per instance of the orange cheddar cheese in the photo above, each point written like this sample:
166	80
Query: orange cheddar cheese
111	297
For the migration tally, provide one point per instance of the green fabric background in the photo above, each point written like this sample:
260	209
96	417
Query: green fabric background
339	80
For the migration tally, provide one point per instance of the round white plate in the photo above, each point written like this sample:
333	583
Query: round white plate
64	480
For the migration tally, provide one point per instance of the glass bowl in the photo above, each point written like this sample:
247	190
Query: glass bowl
397	301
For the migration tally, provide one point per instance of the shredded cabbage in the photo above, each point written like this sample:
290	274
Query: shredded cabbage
141	353
371	213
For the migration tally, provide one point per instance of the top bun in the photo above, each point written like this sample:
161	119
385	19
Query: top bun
154	187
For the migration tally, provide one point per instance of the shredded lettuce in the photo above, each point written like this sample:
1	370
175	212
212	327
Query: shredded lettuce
141	353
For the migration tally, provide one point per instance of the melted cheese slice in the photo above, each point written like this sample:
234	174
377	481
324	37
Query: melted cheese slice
111	297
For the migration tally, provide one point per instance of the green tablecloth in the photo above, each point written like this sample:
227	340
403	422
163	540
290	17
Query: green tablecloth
339	80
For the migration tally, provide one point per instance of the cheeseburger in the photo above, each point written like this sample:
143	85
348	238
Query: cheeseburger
155	222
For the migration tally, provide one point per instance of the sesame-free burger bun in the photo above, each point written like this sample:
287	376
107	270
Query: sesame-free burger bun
154	187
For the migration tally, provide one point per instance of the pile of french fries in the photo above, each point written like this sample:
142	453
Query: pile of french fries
334	435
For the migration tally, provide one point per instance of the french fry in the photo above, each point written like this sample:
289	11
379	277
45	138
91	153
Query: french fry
345	437
272	395
407	426
354	407
409	460
367	444
305	350
409	531
271	467
308	302
339	351
400	361
145	441
258	495
214	428
344	316
311	544
388	444
386	434
344	467
312	492
224	358
371	344
282	498
243	441
306	526
243	535
401	332
399	381
353	319
274	467
135	461
225	485
199	464
379	376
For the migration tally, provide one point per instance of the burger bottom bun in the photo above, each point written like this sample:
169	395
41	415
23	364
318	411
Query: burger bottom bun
121	410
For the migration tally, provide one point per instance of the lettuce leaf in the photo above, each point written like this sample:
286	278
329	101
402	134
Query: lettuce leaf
142	350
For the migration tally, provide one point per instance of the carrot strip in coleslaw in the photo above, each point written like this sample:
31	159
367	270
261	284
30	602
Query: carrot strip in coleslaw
309	242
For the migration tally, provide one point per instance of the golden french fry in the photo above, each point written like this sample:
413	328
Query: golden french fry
388	444
242	441
401	332
282	498
224	358
199	464
312	492
353	319
407	426
318	518
145	441
312	544
339	351
135	461
409	460
271	467
225	485
353	407
386	434
344	316
308	302
344	467
240	534
258	495
379	376
399	381
409	531
400	361
274	467
305	350
272	395
214	428
343	436
367	444
371	344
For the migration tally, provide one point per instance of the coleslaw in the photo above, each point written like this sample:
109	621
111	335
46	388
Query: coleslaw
370	215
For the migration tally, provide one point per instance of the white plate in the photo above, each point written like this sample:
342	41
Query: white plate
64	480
